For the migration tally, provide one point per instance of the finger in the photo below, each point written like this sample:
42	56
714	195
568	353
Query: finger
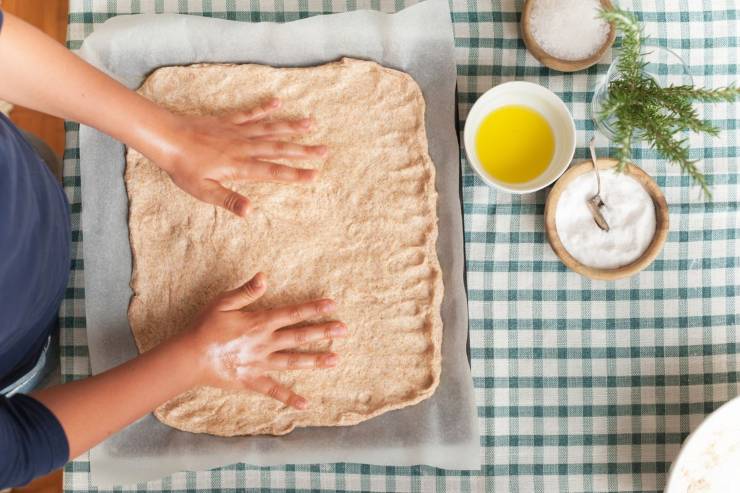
244	295
277	149
300	361
278	391
230	200
267	171
255	114
290	338
282	127
293	314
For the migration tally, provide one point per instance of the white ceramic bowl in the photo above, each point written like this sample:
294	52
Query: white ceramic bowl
544	102
708	458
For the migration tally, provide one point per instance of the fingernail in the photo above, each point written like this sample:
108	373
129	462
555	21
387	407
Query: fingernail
258	282
328	306
322	150
301	403
242	208
338	330
305	123
274	103
331	360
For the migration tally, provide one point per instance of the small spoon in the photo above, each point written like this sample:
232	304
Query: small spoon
595	203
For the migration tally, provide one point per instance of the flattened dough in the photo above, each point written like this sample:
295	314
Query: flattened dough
363	233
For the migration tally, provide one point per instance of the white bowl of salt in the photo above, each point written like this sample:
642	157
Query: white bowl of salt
634	209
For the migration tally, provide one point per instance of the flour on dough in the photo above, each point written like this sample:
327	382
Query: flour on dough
363	233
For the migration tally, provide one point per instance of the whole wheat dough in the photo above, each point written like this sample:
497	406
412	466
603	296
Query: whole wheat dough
363	233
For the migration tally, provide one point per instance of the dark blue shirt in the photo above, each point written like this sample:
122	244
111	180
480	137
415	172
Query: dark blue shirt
34	269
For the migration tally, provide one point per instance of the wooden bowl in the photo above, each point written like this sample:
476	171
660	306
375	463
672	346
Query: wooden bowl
653	249
557	63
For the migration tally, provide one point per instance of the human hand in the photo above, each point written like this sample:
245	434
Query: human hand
234	348
206	151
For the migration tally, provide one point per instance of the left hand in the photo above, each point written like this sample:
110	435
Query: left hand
200	153
210	150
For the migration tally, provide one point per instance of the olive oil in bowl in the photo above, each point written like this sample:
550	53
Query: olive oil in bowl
515	144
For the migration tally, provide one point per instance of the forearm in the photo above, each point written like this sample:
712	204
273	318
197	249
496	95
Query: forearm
91	410
39	73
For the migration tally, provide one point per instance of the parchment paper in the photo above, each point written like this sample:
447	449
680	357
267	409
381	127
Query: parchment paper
441	431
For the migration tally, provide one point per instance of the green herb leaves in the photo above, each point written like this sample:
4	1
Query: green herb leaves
642	108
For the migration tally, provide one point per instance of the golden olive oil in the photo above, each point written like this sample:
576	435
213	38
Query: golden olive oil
515	144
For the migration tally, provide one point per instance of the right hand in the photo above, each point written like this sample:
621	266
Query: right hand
235	348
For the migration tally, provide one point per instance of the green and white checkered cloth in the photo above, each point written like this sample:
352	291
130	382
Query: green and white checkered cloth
580	385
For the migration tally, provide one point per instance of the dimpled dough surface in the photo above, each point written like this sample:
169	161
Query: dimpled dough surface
363	233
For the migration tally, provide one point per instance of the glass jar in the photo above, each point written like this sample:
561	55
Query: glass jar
664	65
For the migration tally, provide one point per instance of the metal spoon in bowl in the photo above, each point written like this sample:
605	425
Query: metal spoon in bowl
595	203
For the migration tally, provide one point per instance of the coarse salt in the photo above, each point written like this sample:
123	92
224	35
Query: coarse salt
568	29
714	469
709	458
628	210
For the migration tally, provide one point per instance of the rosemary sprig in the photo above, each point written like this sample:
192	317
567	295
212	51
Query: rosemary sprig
640	107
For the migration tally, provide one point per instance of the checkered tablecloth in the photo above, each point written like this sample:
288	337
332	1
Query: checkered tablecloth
580	385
